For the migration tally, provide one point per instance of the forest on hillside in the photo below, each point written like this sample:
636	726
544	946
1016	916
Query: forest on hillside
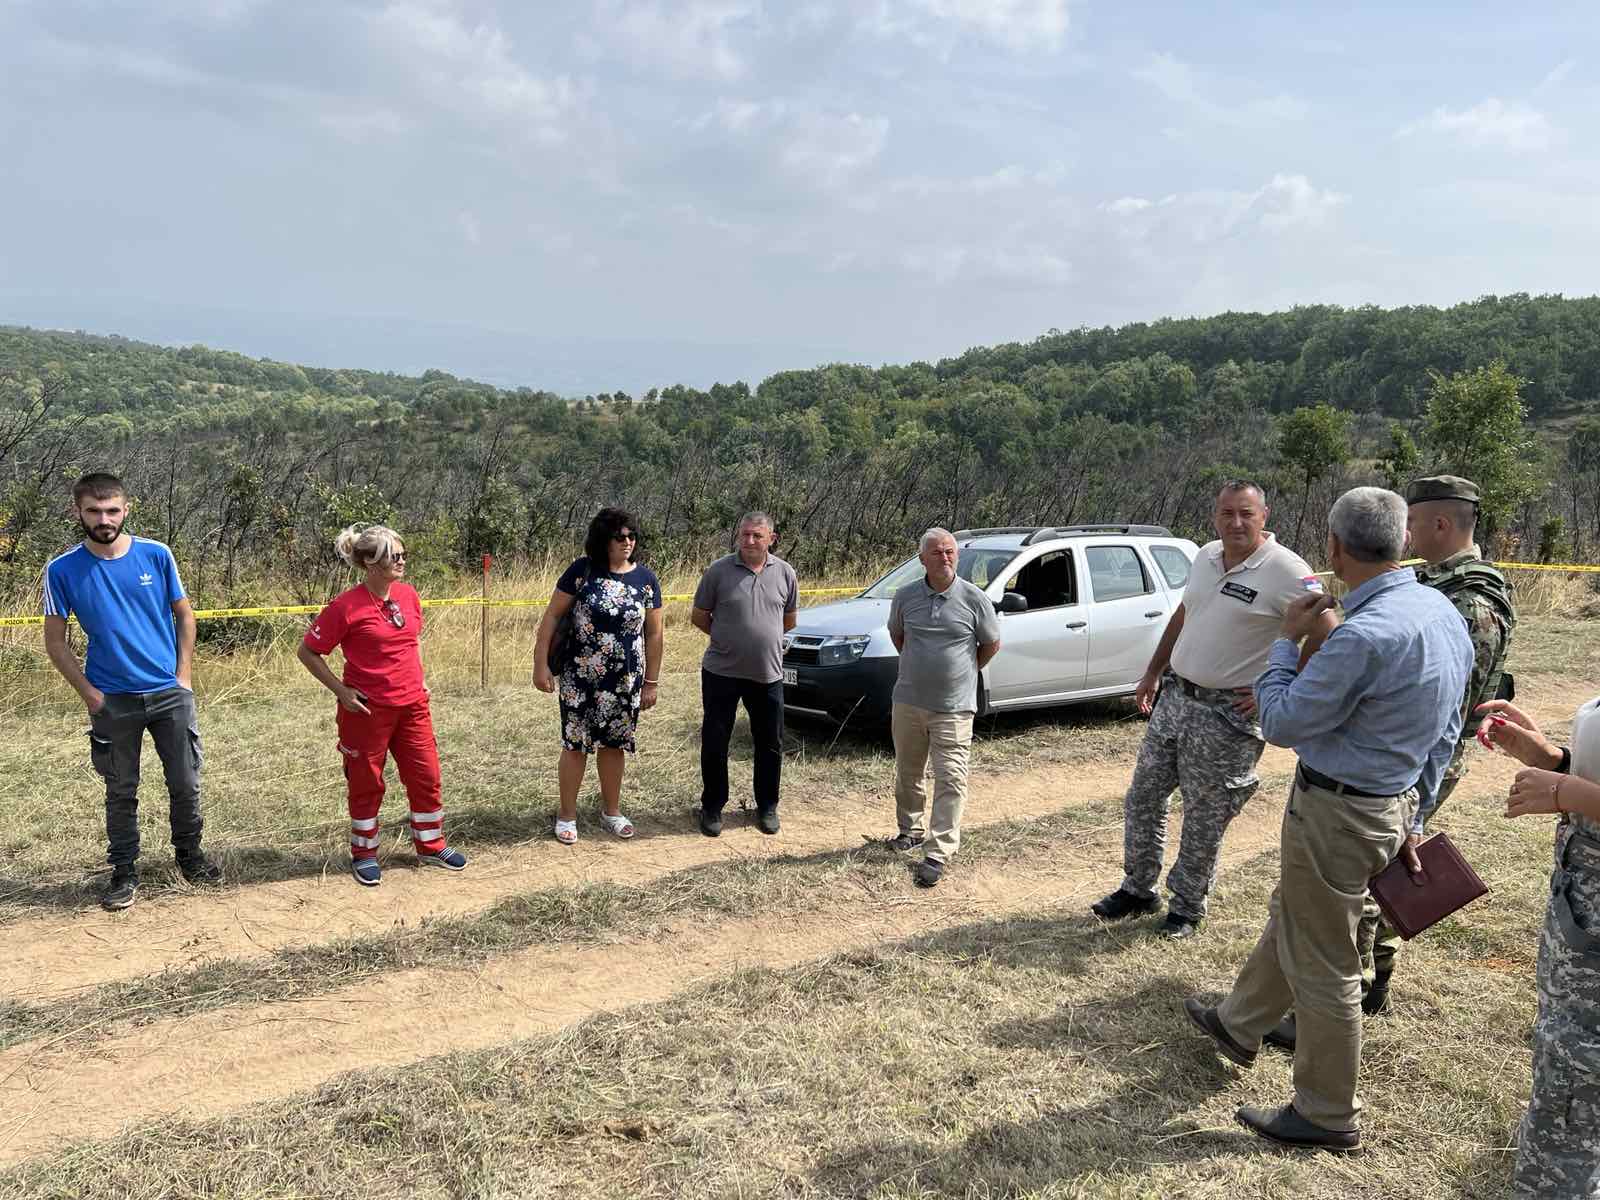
246	466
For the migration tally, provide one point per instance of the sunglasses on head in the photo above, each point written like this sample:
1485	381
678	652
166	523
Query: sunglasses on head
392	613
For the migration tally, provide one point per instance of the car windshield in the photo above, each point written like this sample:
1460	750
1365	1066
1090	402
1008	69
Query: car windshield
981	567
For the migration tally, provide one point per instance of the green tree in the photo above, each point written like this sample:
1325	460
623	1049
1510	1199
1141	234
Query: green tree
1311	443
1473	427
1400	462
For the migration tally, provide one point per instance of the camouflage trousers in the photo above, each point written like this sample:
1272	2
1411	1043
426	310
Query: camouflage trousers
1558	1149
1377	940
1208	752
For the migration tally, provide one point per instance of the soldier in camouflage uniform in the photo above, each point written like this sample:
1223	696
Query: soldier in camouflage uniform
1558	1148
1442	518
1204	739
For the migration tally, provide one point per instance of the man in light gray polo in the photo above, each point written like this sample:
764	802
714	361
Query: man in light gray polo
745	603
946	631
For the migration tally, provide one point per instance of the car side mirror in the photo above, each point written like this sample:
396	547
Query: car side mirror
1012	602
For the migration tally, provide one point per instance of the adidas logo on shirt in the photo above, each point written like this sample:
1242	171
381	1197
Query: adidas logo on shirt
146	579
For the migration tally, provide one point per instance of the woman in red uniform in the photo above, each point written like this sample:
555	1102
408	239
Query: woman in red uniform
383	703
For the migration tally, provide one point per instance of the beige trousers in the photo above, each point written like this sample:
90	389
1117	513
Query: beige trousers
1307	957
945	738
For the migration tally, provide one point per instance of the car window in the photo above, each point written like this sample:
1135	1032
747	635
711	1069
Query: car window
1174	564
1047	582
1115	572
980	567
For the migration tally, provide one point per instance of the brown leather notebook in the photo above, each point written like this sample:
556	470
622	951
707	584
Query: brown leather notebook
1448	883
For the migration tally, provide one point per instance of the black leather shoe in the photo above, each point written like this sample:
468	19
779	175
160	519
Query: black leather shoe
767	820
1124	904
1282	1034
904	841
1377	998
710	823
1289	1128
1176	927
928	872
1206	1019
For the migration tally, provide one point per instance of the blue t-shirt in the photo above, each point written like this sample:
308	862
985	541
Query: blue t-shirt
125	606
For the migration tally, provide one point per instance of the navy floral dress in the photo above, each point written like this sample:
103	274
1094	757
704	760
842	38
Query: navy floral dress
601	684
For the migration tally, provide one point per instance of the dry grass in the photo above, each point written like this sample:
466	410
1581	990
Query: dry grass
1042	1056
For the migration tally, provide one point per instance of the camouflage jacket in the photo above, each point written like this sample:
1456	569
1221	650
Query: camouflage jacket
1483	598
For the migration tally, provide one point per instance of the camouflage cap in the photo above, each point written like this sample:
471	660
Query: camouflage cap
1441	487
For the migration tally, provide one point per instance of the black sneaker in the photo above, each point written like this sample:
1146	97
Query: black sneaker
120	891
197	868
710	823
767	820
1124	904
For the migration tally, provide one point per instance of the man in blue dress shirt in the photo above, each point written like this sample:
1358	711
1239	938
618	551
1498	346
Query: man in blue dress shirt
1373	718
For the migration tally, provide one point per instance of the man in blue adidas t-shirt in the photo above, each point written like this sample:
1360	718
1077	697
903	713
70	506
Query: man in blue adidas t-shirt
126	594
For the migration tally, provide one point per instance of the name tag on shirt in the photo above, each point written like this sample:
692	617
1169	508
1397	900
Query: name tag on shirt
1239	592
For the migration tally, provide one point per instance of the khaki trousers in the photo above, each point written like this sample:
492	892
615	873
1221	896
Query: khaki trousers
1307	958
946	739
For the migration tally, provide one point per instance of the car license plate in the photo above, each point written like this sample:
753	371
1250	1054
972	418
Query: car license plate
790	675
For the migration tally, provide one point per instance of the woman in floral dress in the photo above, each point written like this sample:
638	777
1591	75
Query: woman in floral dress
612	667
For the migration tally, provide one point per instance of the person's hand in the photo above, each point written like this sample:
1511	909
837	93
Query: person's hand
353	700
542	679
647	697
94	701
1300	618
1244	701
1506	727
1145	695
1533	791
183	678
1408	852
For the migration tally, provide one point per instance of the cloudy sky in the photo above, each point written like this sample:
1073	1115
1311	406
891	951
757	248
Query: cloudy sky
627	192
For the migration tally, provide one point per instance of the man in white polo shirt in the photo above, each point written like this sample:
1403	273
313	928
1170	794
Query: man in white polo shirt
1204	738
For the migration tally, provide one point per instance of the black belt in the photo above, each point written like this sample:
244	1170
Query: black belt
1318	779
1194	691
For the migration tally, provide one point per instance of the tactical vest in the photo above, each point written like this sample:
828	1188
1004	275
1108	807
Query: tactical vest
1483	580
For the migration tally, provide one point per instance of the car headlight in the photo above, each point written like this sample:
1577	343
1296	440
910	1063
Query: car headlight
842	648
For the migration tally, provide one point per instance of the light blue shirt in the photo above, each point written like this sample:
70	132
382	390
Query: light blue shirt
1378	706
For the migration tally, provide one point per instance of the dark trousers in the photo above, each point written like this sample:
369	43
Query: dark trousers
116	739
763	704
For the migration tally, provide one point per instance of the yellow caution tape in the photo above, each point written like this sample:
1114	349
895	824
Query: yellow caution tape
274	610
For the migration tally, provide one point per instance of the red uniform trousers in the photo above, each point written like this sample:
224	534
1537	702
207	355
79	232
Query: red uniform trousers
365	742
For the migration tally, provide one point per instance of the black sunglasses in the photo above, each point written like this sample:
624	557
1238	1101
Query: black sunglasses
391	610
624	535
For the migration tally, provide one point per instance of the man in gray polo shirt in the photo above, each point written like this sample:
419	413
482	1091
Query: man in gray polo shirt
946	631
745	603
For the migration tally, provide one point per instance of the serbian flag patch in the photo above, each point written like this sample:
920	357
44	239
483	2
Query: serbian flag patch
1311	583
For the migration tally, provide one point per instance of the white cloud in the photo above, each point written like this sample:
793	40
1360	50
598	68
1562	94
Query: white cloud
1024	263
1283	204
829	147
1127	205
1021	26
688	39
1184	85
1493	124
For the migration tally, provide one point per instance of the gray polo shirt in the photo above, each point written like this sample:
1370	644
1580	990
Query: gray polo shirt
942	632
747	617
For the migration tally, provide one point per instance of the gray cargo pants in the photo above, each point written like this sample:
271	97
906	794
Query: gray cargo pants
116	738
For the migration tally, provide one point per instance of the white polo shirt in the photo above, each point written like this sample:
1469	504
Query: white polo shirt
1231	618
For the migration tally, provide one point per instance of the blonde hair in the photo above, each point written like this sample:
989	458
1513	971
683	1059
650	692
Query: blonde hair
360	545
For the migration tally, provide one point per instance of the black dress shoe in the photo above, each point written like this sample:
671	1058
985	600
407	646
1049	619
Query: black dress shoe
1176	927
1289	1128
710	823
1377	998
1211	1025
767	820
1282	1034
1124	904
928	872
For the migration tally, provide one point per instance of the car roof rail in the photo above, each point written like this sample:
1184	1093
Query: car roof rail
1040	535
994	531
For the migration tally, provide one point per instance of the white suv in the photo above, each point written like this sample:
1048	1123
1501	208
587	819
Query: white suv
1081	610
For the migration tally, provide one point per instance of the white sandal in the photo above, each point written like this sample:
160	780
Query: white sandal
618	824
566	831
